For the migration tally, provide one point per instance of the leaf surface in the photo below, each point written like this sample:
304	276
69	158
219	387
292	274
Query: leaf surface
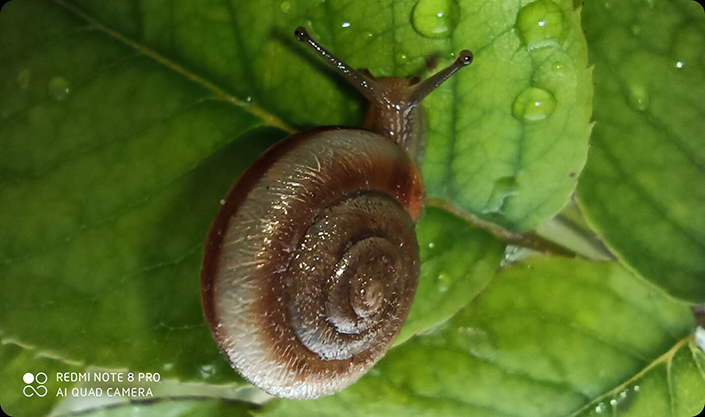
507	136
123	124
644	185
550	337
17	398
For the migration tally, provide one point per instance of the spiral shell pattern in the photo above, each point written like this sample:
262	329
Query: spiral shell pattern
312	263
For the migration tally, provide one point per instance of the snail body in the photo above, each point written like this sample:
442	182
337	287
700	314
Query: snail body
311	263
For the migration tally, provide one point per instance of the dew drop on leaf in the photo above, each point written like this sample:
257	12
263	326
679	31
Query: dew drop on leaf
533	104
443	282
59	88
624	400
285	6
689	46
504	188
558	66
680	64
600	408
638	97
540	24
514	254
402	58
435	18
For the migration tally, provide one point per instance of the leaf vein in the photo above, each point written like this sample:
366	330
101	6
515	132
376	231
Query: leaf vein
267	117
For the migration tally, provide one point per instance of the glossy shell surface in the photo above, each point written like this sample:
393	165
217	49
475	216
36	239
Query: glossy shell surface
311	264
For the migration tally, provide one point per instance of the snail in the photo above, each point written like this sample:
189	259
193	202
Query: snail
311	263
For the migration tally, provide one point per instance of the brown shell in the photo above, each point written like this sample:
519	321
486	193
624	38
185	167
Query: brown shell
311	264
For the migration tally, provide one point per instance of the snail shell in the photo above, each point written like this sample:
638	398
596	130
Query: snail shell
311	263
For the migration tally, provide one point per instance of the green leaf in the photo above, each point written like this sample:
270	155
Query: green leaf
123	124
551	337
113	166
644	185
508	137
457	262
107	127
17	361
484	154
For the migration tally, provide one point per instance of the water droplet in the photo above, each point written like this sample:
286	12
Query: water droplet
59	88
533	104
600	408
558	66
345	24
431	245
477	342
680	64
503	189
285	6
689	46
402	57
514	254
444	282
23	78
622	401
435	18
638	97
540	23
637	388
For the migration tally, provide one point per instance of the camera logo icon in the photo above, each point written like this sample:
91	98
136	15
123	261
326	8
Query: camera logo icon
40	390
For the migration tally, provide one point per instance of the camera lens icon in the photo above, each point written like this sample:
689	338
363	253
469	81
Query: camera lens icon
40	390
